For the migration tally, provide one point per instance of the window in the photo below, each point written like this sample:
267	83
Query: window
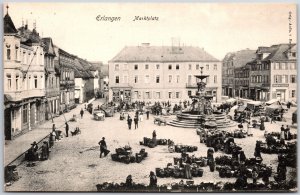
16	54
157	79
285	79
293	66
157	66
117	79
277	66
136	67
294	54
215	66
17	82
177	79
215	79
147	79
207	80
207	66
170	78
190	66
157	95
293	93
197	66
35	82
8	54
177	94
125	79
170	95
170	66
147	95
189	93
189	79
9	82
117	67
277	78
283	67
25	114
177	66
125	66
136	78
146	66
293	79
267	79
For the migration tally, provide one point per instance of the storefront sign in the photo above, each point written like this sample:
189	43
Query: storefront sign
280	85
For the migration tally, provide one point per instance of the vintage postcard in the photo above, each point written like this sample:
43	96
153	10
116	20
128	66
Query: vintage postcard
150	97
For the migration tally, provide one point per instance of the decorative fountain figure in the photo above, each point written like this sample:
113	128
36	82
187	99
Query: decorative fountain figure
200	112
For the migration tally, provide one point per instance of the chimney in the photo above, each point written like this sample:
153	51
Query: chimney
145	44
26	26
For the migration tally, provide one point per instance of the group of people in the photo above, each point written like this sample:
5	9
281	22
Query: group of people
138	117
152	177
285	133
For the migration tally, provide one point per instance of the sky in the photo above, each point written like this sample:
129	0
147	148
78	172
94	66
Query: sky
218	28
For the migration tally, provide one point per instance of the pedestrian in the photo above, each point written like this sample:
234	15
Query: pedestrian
187	170
288	105
254	175
129	122
147	113
242	157
81	112
53	127
129	181
249	131
282	132
67	129
103	147
287	133
45	151
136	122
154	137
273	118
153	179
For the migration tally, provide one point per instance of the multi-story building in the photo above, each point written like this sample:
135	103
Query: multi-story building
65	62
24	87
12	80
51	80
241	81
84	81
162	73
273	74
232	61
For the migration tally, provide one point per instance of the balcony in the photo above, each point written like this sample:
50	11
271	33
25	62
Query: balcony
19	95
67	82
191	85
51	92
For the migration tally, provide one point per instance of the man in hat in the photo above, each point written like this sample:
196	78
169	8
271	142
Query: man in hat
103	147
67	129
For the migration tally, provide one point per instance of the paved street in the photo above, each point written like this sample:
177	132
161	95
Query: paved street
76	158
13	149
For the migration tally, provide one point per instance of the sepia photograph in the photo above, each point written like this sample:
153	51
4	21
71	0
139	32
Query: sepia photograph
150	97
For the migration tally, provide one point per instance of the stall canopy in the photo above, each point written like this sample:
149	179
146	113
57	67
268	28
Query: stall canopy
273	102
231	101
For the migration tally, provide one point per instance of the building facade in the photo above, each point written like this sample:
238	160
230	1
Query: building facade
65	62
51	81
273	74
24	89
150	73
232	86
84	81
241	81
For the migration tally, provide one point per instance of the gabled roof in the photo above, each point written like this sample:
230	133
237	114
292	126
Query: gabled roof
48	46
163	54
8	25
279	52
241	58
81	69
